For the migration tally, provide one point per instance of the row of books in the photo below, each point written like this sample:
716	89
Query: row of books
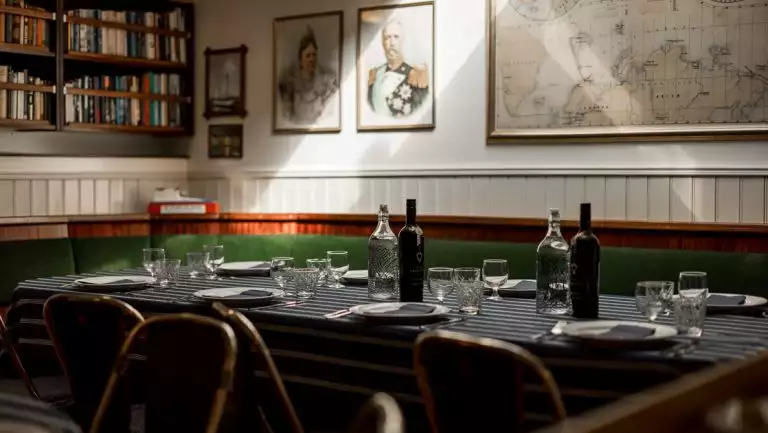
150	82
123	111
17	29
119	42
22	104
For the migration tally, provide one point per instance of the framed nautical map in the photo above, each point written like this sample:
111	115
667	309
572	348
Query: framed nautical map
627	70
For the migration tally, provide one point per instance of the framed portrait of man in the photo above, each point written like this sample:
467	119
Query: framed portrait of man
225	82
307	61
395	67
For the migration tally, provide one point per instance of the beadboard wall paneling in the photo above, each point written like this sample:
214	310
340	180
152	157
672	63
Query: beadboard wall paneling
704	199
24	197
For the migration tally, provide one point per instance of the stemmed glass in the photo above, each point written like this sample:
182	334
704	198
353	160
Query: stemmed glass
215	259
151	257
338	265
495	275
440	282
280	270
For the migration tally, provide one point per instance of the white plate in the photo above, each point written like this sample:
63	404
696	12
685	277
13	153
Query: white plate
241	267
231	295
510	285
590	332
356	276
379	311
749	302
114	283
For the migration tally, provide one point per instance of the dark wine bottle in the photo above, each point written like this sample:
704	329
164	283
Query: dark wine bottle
585	268
411	252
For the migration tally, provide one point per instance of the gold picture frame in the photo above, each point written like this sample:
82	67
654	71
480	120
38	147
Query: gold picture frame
578	134
317	106
385	110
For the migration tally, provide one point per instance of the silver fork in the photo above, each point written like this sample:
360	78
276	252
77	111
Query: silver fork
338	314
554	332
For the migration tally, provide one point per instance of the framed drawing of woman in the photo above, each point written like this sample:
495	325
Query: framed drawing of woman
307	62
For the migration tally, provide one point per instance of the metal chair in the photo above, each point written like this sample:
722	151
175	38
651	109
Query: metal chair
275	410
189	368
87	333
381	414
476	384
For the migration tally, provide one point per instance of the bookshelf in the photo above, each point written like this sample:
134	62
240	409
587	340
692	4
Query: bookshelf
115	66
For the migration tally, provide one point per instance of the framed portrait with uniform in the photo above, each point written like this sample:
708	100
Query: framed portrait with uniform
395	67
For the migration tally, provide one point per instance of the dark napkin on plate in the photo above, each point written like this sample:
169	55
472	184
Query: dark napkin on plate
123	281
524	285
407	310
725	301
253	293
628	332
261	269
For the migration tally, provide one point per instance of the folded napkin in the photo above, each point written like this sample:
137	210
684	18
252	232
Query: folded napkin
725	301
524	285
123	281
253	293
257	270
407	310
628	332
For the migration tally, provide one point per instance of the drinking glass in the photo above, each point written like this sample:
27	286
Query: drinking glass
652	297
280	270
196	262
440	281
305	280
168	272
495	274
469	290
338	265
151	256
321	264
690	311
215	258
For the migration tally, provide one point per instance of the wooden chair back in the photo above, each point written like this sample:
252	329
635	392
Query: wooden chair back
381	414
189	368
677	407
87	333
270	409
476	384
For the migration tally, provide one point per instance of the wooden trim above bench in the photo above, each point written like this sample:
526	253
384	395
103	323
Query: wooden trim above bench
637	234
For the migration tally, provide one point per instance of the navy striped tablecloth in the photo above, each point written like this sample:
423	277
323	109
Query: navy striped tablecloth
346	359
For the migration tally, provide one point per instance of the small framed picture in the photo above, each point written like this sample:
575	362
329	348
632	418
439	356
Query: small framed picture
307	61
395	67
225	82
225	141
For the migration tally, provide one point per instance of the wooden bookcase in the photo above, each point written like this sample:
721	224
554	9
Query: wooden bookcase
59	66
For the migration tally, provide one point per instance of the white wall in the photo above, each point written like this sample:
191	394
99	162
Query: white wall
451	170
45	186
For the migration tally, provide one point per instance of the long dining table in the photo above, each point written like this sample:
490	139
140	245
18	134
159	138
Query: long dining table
330	366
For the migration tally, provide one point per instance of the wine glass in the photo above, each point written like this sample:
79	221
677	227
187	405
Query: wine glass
151	257
440	282
495	275
280	270
338	265
215	258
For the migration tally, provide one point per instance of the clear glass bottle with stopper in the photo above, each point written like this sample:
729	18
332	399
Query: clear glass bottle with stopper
383	265
553	294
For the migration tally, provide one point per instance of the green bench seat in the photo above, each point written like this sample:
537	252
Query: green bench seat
621	268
